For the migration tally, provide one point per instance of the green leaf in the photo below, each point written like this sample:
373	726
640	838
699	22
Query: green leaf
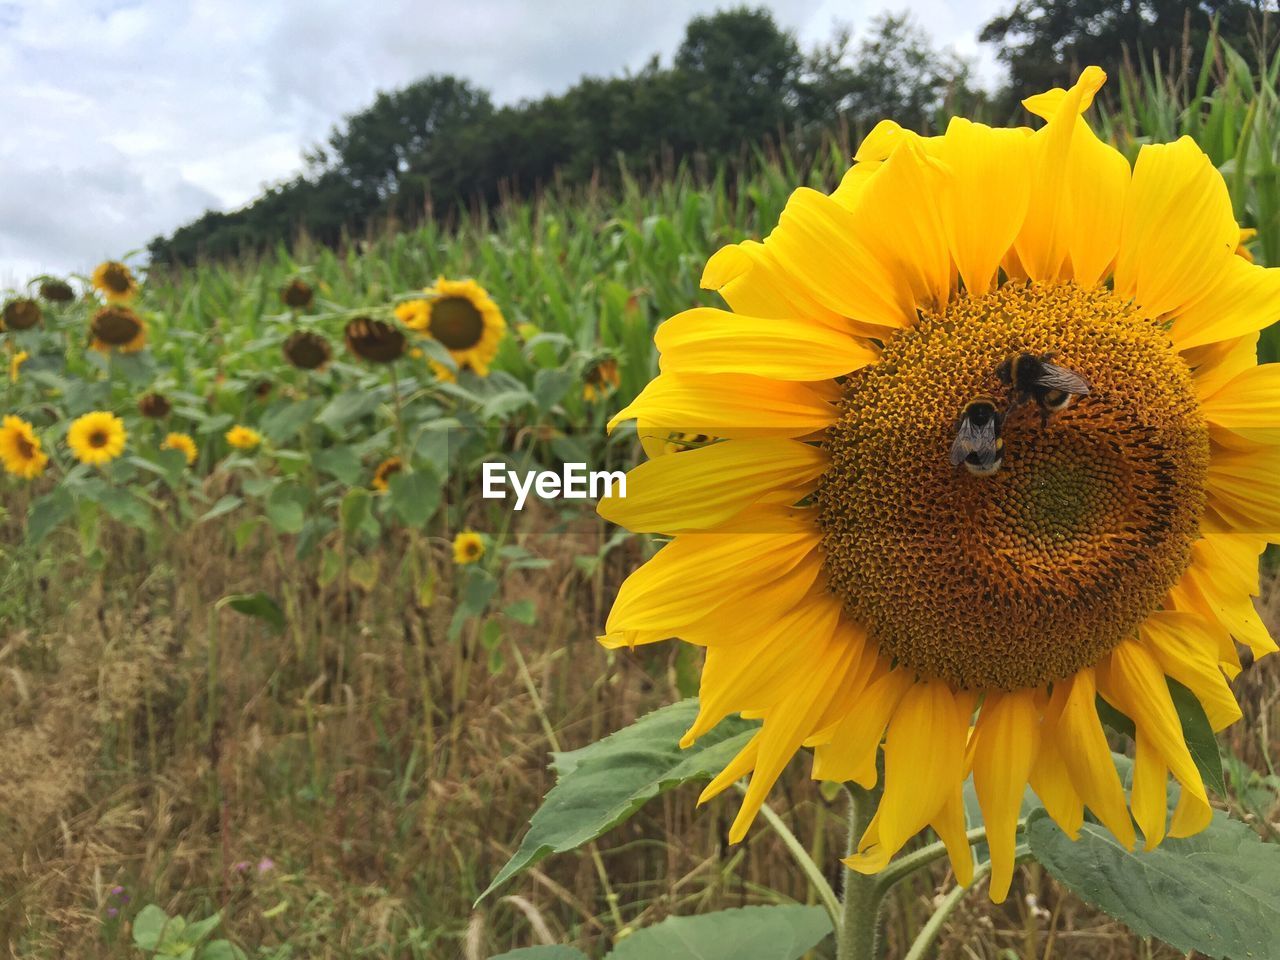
746	933
284	420
414	496
127	508
601	785
550	386
225	504
541	953
286	507
339	462
502	405
48	512
1198	733
149	926
522	611
221	950
354	510
1214	893
348	406
256	605
197	930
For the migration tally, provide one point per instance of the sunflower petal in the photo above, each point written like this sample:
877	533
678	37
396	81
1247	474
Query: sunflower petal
1242	486
754	284
949	825
1249	404
1186	651
1052	783
1006	741
1240	299
850	754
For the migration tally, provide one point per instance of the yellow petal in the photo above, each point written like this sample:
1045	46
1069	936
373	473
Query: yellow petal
1215	365
949	825
1098	179
737	768
1220	583
1239	299
1186	650
987	197
850	754
1006	740
1242	487
729	405
1178	234
1052	783
754	284
1083	749
705	340
1149	796
1249	404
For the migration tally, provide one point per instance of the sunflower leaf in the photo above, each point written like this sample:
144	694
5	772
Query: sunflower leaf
1213	893
555	952
601	785
257	605
747	933
1198	733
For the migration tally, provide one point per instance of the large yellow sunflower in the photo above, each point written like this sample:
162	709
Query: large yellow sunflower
115	281
851	585
461	316
96	438
20	451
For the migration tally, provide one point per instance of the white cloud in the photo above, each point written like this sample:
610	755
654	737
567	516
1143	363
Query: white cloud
126	118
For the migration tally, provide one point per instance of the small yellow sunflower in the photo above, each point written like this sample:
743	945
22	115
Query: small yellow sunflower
463	318
117	328
385	471
600	379
853	582
414	314
15	364
20	314
468	547
182	442
20	449
96	438
243	438
115	281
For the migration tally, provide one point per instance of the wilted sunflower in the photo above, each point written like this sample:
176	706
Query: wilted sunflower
15	364
56	291
306	350
117	328
242	437
115	281
96	438
20	313
183	443
600	379
468	547
385	471
374	340
297	294
20	449
155	406
851	584
463	317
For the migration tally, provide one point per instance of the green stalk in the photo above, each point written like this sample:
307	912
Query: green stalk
858	933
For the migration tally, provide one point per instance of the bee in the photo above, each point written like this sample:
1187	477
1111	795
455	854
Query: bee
978	444
1033	378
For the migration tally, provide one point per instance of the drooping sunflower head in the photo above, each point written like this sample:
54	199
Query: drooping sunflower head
242	437
115	281
117	328
465	320
183	443
20	313
297	294
307	350
600	378
865	563
54	290
468	547
387	469
374	340
20	451
96	438
154	406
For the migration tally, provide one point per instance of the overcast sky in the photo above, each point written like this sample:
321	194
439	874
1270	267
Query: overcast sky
122	119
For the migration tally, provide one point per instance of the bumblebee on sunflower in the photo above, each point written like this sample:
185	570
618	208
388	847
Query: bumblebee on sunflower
858	592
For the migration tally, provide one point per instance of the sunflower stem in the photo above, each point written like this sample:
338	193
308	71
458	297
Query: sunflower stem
858	933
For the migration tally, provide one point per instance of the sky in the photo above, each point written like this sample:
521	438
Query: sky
123	119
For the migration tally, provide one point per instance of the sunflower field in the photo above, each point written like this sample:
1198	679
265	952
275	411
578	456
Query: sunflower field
279	681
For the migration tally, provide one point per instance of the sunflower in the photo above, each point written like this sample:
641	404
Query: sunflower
385	471
414	314
117	328
56	291
462	317
468	547
115	281
297	294
20	451
600	379
307	351
374	340
851	585
96	438
443	373
181	442
154	406
15	364
21	313
242	437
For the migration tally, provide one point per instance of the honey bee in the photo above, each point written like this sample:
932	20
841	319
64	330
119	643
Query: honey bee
978	444
1032	377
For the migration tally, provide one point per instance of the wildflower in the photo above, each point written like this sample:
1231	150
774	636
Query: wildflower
97	438
463	317
468	547
115	281
243	438
20	451
117	328
183	443
850	583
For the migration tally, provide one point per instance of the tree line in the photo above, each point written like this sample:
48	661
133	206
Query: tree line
440	146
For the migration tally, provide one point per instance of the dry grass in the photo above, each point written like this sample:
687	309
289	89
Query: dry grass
385	772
